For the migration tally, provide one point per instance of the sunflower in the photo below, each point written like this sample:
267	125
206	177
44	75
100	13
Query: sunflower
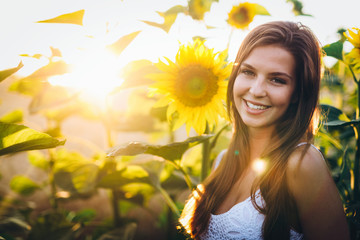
353	57
242	15
198	8
194	86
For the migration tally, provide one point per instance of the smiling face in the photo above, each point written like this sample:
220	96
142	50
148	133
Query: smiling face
264	86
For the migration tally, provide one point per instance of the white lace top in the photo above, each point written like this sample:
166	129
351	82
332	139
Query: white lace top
242	221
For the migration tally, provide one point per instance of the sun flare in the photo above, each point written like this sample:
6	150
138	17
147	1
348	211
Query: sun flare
94	73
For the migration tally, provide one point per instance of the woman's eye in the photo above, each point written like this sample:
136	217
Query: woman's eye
278	81
247	72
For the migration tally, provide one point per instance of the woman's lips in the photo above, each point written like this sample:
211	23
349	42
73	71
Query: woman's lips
255	108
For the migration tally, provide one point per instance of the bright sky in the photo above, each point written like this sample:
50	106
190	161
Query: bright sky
21	35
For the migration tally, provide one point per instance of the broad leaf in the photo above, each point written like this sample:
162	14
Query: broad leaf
8	72
332	113
334	50
117	179
23	185
37	81
68	18
122	43
15	116
15	138
173	151
37	159
74	172
340	123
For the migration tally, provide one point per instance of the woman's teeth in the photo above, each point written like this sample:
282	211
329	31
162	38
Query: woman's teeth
256	107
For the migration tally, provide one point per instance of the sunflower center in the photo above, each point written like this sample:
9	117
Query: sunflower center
196	85
242	15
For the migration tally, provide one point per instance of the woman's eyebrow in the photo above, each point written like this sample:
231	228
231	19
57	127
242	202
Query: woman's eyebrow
271	74
246	65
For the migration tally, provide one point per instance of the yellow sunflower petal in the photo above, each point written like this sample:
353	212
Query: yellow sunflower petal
194	86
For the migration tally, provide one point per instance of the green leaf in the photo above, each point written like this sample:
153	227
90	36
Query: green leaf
68	18
37	81
340	123
172	151
15	138
84	216
117	179
169	18
332	113
260	10
23	185
15	116
122	43
8	72
334	50
297	8
74	172
37	159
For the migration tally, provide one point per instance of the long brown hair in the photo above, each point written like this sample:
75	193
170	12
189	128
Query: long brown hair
295	125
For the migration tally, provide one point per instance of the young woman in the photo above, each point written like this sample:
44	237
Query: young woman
272	100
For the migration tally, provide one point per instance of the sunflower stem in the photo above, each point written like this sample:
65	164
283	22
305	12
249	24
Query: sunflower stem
205	156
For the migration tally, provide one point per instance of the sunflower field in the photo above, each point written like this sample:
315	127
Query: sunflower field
111	112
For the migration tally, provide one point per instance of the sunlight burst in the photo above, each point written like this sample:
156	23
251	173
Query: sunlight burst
94	73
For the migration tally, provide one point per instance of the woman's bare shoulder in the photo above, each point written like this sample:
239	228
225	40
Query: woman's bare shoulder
320	209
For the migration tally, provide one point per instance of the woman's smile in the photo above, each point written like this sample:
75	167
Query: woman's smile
263	89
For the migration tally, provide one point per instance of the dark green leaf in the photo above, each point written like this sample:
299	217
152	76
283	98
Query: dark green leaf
122	43
15	116
23	185
339	123
84	216
297	8
15	138
173	151
334	50
8	72
68	18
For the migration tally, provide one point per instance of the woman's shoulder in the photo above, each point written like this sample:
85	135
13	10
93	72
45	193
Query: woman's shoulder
306	159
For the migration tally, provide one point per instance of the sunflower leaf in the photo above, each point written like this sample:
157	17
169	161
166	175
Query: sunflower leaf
68	18
122	43
171	152
340	123
23	185
15	138
260	10
8	72
15	116
169	18
334	50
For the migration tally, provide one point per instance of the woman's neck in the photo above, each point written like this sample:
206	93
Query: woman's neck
259	140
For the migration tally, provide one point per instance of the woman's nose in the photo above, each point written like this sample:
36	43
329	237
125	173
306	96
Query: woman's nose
257	89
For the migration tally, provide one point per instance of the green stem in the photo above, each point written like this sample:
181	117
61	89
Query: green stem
169	201
205	157
357	154
53	190
116	211
186	175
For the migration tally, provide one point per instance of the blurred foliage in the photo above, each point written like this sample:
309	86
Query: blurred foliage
135	173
